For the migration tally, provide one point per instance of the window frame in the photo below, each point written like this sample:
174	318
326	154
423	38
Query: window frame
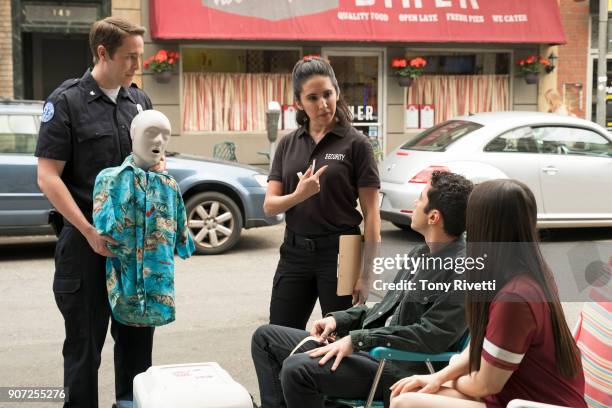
502	135
182	47
583	128
548	125
35	119
425	133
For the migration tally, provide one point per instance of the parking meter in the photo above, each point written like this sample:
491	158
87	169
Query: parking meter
272	116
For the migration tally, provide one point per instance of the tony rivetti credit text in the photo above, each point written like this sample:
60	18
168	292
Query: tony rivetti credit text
423	284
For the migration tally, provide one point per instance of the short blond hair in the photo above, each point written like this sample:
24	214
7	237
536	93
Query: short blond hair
110	33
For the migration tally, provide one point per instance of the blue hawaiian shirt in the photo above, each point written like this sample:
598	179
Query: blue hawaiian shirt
144	212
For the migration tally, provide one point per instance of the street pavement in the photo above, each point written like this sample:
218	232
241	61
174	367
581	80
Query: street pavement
220	301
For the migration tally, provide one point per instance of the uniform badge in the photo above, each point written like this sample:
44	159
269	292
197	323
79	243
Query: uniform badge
48	111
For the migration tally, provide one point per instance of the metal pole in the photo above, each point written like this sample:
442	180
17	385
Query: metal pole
272	150
379	371
602	63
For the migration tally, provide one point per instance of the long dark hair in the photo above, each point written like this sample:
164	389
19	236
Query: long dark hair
505	211
305	69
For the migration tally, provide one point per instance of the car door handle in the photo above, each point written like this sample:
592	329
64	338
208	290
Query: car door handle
551	170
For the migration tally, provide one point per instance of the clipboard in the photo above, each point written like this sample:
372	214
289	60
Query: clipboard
349	263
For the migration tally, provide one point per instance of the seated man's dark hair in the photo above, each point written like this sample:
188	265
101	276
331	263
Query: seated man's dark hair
449	194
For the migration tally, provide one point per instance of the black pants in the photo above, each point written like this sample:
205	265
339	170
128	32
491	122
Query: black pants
299	380
79	286
303	275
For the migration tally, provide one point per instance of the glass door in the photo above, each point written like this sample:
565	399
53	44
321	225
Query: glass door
359	75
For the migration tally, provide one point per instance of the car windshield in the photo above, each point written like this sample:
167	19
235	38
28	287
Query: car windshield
439	137
18	133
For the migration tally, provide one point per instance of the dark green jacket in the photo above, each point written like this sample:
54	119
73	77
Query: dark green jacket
426	321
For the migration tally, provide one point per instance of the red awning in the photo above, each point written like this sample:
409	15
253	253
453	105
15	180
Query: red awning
428	21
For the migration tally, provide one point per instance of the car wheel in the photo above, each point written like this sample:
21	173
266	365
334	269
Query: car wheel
215	222
403	227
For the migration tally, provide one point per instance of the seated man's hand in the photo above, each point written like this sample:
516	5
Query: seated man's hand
340	349
323	328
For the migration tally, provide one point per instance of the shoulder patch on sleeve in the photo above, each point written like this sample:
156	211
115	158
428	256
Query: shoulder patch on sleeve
48	112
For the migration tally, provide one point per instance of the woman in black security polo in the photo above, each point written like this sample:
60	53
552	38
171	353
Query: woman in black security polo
318	173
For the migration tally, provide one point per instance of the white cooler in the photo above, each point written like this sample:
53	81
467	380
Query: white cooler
201	385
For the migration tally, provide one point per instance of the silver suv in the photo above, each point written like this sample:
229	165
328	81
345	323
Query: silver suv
24	210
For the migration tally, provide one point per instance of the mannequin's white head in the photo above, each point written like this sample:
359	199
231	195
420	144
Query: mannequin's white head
150	133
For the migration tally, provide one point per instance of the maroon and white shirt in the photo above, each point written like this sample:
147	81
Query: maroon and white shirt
519	338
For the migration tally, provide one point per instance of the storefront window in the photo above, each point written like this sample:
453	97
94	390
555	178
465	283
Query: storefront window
229	89
358	81
468	64
595	32
358	75
457	84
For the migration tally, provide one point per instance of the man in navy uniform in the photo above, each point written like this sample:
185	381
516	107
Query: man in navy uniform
85	127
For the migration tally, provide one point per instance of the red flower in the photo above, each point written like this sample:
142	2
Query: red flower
399	63
521	62
162	60
531	59
161	56
544	61
418	62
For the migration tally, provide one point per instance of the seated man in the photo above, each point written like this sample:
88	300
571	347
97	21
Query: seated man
411	320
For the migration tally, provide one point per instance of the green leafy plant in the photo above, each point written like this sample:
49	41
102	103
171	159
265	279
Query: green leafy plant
532	65
162	61
408	68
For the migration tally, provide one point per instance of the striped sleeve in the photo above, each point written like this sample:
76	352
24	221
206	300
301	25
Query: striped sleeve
510	331
595	341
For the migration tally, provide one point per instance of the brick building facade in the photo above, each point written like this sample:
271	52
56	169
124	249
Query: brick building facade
6	50
572	65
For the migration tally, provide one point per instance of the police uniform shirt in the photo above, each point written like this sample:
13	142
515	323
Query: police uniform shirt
81	126
351	164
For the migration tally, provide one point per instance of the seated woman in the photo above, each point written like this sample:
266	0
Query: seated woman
521	346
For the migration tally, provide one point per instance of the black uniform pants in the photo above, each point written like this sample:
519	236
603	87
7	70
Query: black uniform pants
307	270
79	286
299	380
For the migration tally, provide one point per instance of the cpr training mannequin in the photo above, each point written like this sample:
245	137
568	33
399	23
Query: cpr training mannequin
144	212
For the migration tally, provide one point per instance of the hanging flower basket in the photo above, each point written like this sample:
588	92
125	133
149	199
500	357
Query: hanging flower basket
163	77
161	65
407	70
406	82
530	68
532	78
